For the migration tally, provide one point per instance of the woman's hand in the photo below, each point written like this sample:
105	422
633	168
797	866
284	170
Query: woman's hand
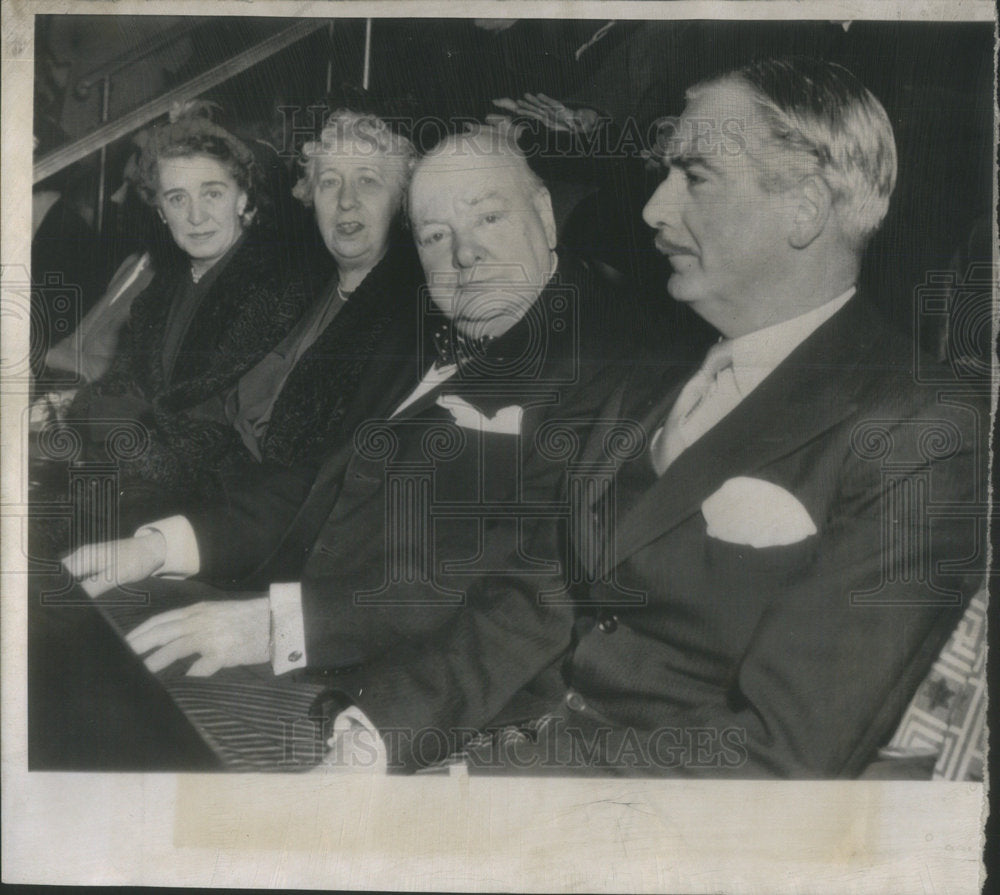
102	566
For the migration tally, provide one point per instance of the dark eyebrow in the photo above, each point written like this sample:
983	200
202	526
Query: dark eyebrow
321	170
214	183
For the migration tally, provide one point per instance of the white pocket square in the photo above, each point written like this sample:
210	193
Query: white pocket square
757	513
506	421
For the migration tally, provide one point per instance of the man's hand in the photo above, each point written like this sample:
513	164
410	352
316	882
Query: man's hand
222	633
355	746
552	113
507	126
108	564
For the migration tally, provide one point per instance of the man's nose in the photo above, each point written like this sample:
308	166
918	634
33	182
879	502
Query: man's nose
664	205
466	252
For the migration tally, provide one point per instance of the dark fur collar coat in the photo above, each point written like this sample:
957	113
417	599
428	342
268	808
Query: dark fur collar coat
251	305
344	375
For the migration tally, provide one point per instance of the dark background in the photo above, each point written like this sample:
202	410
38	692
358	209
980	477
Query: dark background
935	80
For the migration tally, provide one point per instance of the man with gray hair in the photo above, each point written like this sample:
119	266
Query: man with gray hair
793	546
376	586
787	537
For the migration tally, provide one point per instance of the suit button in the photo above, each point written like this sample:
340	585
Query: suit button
575	701
608	624
294	656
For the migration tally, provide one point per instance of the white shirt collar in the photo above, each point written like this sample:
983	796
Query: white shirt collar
757	354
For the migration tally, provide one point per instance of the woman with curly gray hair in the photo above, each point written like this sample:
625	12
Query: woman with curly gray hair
306	396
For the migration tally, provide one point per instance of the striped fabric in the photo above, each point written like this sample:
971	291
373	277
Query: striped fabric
256	722
251	719
255	726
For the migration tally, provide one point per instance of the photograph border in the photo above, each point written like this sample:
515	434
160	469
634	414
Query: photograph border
445	832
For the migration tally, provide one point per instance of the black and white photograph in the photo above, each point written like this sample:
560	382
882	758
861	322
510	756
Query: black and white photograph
538	453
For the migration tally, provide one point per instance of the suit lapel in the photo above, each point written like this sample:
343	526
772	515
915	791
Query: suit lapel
426	400
644	396
809	393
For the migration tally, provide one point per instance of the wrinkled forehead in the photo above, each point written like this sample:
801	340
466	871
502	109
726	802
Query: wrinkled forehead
390	165
465	178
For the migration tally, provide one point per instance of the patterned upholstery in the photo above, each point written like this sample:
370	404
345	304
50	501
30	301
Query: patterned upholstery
947	716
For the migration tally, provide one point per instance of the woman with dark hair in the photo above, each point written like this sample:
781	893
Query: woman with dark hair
222	296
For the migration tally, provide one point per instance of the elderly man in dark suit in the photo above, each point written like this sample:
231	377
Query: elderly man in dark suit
790	532
388	545
796	540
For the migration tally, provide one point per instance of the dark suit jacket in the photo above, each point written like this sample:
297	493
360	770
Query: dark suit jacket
264	526
394	539
703	655
336	382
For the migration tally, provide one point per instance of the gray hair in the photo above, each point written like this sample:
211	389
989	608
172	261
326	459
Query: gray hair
485	140
827	123
345	125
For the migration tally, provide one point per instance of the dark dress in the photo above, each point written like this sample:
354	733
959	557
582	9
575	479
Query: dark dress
185	345
340	378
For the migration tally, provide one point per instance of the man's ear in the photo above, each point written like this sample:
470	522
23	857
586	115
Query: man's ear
542	203
814	202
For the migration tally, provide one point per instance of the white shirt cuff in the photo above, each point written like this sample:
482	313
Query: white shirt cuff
288	636
182	559
355	744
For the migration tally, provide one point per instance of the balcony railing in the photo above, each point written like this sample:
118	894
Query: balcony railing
99	139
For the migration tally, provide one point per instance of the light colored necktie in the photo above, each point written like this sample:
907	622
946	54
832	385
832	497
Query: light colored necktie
691	416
